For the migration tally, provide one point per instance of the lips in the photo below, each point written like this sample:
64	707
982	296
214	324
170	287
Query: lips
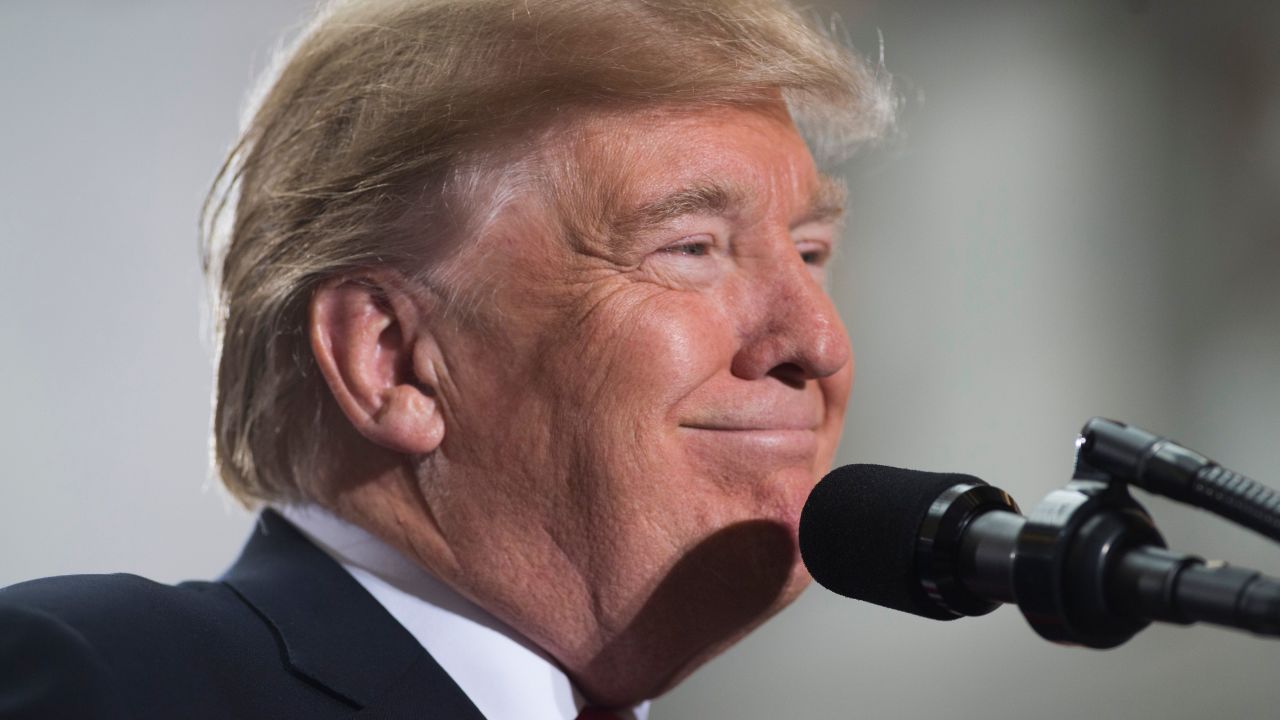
748	427
758	448
764	419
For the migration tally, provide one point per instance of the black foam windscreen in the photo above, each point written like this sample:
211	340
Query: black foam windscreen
859	530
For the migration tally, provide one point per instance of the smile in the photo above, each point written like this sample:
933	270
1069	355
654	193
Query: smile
748	428
799	441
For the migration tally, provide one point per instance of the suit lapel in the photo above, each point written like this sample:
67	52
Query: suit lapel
335	634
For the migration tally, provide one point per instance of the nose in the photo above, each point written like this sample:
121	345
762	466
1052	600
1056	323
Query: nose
793	332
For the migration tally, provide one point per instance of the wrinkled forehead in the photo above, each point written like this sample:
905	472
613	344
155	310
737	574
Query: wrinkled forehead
609	172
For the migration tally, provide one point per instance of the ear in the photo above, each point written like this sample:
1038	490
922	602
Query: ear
365	331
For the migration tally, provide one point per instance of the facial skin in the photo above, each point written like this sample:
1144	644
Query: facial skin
613	447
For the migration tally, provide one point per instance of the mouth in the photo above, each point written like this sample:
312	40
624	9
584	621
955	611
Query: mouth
755	414
783	427
771	439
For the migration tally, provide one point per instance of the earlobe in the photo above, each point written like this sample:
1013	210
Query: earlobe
364	334
409	421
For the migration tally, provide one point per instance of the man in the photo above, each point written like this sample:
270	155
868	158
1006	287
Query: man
524	338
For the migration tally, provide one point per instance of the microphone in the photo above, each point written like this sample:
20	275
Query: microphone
1087	567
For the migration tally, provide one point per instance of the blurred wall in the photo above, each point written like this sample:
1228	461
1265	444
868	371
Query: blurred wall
1079	216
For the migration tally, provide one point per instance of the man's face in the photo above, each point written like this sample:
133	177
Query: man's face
639	407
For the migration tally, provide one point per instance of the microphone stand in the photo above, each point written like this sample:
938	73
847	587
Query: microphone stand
1113	451
1089	566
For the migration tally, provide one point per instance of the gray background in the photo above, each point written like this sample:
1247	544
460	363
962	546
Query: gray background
1080	217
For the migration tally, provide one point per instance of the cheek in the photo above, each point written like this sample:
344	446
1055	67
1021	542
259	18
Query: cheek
622	380
633	358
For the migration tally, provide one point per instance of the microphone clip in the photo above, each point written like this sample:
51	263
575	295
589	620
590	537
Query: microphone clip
1090	568
1066	559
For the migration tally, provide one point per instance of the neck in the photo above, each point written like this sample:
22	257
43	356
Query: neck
519	574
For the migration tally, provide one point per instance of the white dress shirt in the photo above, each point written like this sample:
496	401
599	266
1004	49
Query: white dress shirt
504	675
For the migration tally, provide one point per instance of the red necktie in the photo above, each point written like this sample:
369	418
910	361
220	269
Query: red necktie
597	714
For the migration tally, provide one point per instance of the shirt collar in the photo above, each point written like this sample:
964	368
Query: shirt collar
504	675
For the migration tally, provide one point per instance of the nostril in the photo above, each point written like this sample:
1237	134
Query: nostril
791	374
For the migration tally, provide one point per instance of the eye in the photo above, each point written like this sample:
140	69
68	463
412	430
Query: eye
694	260
689	248
814	255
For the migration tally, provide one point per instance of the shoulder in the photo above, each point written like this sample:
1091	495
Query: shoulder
119	609
49	669
95	646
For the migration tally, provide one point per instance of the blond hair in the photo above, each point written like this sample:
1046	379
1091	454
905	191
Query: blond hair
389	108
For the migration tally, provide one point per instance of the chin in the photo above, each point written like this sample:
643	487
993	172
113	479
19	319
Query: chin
718	591
787	492
795	585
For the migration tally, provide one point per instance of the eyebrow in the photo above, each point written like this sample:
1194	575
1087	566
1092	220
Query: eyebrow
826	204
702	199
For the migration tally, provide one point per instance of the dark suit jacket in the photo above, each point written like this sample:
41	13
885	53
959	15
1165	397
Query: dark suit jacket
286	633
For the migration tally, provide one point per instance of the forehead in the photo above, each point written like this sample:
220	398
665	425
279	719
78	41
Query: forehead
639	167
655	149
